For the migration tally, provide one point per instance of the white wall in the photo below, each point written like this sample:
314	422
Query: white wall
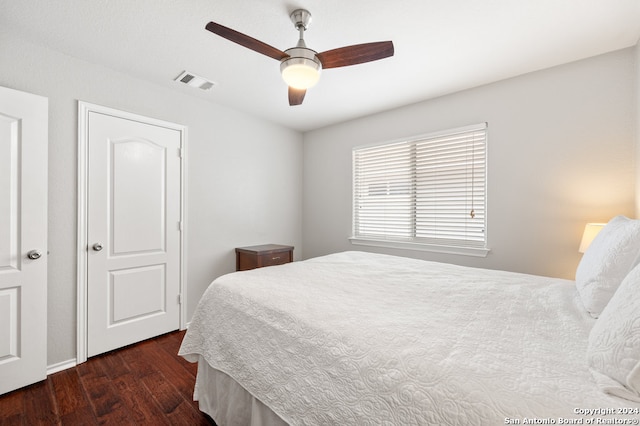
560	153
244	174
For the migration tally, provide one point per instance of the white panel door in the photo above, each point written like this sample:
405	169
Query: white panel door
133	230
23	239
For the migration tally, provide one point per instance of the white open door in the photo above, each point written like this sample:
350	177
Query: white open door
23	239
133	228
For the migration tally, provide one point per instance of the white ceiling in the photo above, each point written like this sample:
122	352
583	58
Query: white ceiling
441	46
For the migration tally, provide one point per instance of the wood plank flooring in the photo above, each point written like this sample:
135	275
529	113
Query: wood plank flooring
142	384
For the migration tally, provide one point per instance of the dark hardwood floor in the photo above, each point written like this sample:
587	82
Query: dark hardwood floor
143	384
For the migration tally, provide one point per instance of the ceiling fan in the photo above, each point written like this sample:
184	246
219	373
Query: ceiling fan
301	66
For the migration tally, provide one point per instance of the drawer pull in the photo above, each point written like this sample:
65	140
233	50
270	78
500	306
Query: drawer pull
275	258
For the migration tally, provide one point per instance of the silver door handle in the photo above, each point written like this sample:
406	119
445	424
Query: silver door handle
97	246
34	254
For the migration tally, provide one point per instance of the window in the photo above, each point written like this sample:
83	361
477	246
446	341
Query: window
427	193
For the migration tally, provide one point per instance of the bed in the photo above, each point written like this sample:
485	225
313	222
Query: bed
357	338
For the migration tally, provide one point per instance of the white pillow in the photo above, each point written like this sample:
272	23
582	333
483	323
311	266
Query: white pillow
613	353
612	254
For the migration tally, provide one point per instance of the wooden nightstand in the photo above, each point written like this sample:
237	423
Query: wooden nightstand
263	255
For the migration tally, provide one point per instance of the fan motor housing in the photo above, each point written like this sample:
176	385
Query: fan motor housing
302	62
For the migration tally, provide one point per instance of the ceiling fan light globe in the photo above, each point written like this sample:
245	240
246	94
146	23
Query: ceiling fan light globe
300	76
300	73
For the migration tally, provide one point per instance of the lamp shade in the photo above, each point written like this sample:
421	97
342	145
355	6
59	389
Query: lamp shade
590	232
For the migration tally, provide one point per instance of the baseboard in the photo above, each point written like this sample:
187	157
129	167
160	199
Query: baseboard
60	366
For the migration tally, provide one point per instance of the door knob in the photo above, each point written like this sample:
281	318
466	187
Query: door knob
97	246
34	254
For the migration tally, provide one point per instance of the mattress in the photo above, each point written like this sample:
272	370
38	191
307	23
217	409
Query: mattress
357	338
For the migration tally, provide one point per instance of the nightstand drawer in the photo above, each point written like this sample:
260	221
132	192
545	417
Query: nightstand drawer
271	259
264	255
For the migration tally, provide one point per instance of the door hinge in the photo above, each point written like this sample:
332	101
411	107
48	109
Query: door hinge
180	226
180	299
180	152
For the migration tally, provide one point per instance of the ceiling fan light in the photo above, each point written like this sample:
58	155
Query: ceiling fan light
300	73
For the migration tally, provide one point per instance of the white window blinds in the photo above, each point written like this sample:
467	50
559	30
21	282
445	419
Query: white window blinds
430	190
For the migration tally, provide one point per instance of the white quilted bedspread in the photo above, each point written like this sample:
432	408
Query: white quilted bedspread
366	339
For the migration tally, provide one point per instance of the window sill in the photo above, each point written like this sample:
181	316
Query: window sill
465	251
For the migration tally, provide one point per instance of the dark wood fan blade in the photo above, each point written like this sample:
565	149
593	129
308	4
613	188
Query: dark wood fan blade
356	54
246	41
296	96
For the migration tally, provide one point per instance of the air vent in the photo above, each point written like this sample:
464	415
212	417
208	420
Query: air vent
194	80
